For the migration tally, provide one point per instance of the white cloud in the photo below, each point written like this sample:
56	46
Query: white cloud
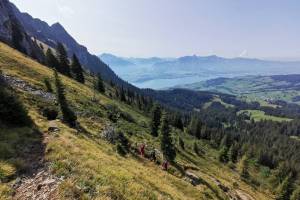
244	53
65	10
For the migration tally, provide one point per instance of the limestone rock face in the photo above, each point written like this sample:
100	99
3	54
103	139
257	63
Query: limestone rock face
5	27
10	23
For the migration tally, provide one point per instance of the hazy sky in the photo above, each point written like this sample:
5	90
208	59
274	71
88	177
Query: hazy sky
250	28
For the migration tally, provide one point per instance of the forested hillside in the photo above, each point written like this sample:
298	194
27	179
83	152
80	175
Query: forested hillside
87	145
72	129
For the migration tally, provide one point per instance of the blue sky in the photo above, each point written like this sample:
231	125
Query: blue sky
144	28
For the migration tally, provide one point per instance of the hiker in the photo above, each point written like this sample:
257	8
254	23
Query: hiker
165	165
142	150
153	155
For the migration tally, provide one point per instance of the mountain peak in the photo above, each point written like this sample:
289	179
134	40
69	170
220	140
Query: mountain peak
57	25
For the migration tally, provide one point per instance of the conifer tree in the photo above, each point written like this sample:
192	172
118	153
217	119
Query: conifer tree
244	168
166	142
68	115
223	154
194	127
155	119
284	190
100	85
122	94
176	121
181	143
196	148
77	70
233	153
62	55
51	60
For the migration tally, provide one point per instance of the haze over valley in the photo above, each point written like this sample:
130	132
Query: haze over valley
161	73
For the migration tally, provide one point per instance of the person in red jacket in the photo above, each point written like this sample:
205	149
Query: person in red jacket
165	165
142	150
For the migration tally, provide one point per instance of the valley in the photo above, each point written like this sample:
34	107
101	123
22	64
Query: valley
76	126
163	73
255	88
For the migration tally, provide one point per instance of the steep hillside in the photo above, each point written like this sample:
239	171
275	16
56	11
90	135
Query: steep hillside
51	159
30	29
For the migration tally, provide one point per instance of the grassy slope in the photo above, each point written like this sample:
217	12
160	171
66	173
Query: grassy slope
258	115
90	166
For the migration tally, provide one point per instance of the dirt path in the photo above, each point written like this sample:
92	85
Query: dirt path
243	196
40	186
37	183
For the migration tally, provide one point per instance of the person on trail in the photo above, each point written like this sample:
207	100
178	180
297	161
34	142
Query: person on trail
153	156
165	165
142	150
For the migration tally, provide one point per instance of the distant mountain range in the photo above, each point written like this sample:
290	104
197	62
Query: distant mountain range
160	73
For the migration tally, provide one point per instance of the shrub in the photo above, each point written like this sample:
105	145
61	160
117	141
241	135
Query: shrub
122	144
123	141
120	150
127	117
48	85
12	112
296	194
113	113
6	151
50	113
181	143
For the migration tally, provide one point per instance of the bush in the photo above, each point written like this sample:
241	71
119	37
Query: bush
296	194
120	150
122	139
6	151
48	85
50	113
122	144
181	143
113	113
12	111
127	117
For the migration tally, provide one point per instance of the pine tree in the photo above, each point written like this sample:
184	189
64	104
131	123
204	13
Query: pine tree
223	155
181	143
284	190
244	168
194	127
62	55
68	115
100	85
166	142
224	141
155	119
51	60
77	69
122	94
196	148
233	153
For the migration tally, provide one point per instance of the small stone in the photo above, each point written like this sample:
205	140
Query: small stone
39	187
